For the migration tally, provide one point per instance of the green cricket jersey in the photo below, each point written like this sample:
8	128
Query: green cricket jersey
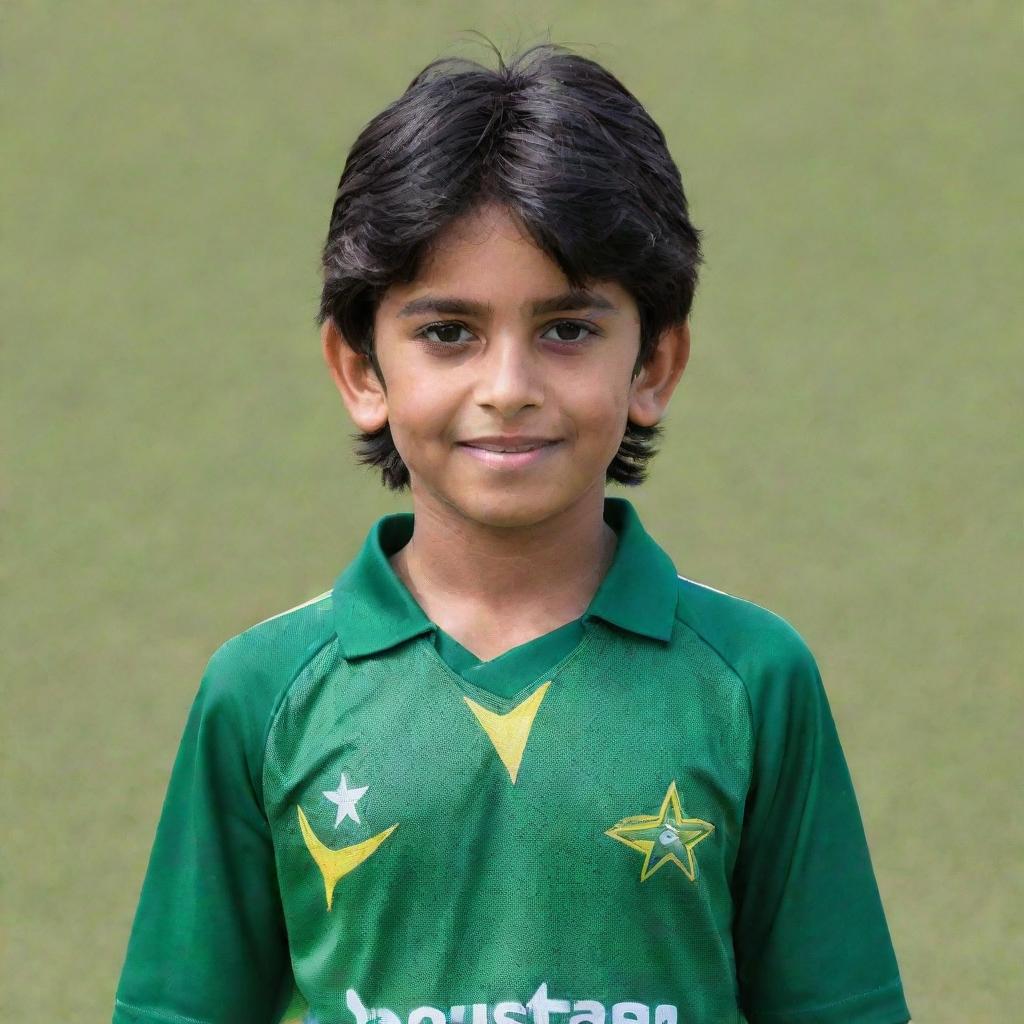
643	817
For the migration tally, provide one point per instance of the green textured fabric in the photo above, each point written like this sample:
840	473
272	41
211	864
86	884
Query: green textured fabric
513	669
663	831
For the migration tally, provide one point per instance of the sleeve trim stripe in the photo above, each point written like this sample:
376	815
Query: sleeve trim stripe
724	593
288	611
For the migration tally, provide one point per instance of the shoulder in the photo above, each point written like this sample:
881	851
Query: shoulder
247	676
273	644
764	650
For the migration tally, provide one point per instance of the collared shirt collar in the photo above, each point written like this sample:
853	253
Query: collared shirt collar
374	610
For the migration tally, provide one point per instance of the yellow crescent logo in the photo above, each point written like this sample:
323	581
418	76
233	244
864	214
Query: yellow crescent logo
335	864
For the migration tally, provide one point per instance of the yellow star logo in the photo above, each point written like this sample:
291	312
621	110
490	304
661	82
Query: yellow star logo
663	837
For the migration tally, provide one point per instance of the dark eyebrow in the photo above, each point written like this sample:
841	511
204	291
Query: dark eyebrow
571	301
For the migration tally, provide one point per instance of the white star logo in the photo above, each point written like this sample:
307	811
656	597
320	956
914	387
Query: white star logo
346	799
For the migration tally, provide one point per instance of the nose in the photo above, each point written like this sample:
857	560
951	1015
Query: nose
510	375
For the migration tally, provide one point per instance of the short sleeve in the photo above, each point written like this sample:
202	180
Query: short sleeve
208	940
812	944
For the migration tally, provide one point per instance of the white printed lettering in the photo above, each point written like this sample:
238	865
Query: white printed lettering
631	1013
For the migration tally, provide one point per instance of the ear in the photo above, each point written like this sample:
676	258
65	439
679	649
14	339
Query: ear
356	380
653	386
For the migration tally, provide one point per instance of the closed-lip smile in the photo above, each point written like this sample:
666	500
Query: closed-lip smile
513	443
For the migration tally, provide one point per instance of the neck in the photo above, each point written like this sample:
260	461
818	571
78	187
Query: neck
484	583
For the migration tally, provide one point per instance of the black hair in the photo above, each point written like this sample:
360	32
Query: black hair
559	142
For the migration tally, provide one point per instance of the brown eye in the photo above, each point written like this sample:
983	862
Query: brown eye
447	333
570	331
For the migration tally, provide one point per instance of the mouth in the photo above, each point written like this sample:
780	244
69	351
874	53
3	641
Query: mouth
509	457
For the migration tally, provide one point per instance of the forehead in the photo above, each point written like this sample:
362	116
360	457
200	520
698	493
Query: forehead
487	256
489	223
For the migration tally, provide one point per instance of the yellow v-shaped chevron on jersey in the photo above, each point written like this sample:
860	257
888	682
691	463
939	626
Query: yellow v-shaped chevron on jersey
510	731
335	864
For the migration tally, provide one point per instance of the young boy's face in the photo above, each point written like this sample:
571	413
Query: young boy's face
486	350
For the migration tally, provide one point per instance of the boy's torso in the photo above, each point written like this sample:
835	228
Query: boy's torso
441	846
568	845
644	818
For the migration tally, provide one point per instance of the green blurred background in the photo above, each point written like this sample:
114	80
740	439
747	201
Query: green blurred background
845	447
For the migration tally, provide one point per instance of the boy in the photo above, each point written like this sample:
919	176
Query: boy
512	767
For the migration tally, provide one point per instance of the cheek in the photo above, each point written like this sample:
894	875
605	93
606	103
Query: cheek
418	414
600	409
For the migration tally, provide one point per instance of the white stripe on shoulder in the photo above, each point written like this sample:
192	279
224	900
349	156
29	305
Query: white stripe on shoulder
305	604
724	593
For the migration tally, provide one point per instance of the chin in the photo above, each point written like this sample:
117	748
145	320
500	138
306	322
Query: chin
508	509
